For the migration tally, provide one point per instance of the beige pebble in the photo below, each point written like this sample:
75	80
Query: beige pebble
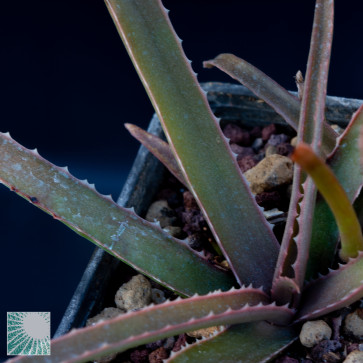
105	314
313	332
354	357
337	129
271	172
225	264
293	141
353	323
271	150
204	333
134	294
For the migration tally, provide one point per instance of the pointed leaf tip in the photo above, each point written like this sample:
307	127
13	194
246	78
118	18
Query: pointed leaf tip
159	148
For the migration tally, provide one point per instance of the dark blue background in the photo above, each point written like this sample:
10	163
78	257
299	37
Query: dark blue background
67	86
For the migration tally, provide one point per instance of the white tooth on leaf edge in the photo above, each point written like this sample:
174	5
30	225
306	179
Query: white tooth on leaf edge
204	92
156	223
65	168
227	139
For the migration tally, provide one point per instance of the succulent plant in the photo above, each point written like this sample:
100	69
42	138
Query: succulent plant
257	306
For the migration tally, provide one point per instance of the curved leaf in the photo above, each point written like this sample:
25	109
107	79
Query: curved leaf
119	231
302	203
159	148
336	290
334	195
283	102
255	342
345	164
160	321
311	122
196	140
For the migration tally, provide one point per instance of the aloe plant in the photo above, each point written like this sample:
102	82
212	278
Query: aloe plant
258	318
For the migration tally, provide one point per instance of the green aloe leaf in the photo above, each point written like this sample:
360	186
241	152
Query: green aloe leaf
196	140
284	286
339	288
119	231
283	102
259	341
334	195
159	148
302	203
345	164
160	321
311	122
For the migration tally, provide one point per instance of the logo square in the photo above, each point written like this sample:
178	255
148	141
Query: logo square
28	333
